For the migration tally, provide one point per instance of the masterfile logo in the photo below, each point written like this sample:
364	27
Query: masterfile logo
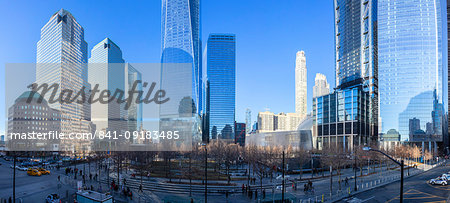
116	107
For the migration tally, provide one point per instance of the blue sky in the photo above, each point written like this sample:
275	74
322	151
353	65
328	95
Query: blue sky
268	33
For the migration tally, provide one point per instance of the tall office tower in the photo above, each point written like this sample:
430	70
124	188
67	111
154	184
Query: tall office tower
248	120
348	117
447	138
321	86
356	50
62	60
134	111
410	66
180	42
107	72
300	83
265	121
221	73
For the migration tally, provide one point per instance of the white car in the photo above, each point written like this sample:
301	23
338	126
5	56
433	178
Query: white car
438	181
17	167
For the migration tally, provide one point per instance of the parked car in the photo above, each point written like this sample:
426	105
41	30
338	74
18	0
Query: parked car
438	181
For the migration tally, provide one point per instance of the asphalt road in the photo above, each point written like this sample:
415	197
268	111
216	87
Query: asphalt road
29	188
416	189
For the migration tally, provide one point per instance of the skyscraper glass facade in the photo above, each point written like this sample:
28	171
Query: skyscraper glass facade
410	67
356	50
107	72
349	116
221	73
342	118
180	40
134	112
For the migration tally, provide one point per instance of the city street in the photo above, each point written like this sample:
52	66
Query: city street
416	189
30	188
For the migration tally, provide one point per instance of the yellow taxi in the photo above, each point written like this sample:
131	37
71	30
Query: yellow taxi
33	172
44	171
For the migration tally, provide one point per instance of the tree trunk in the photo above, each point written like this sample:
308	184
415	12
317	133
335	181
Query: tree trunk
301	171
170	168
339	176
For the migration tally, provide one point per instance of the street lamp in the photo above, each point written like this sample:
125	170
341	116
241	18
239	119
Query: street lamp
206	172
401	163
355	167
283	189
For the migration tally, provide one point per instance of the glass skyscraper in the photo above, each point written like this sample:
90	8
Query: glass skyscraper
348	117
108	70
180	41
342	119
62	59
356	50
221	73
411	69
134	112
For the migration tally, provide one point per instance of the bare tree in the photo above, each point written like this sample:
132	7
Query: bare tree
335	159
301	157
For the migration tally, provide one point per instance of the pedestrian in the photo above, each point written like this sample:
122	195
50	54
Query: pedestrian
140	188
90	176
346	181
130	193
124	192
310	183
59	178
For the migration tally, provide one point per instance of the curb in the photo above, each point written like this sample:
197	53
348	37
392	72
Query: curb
380	185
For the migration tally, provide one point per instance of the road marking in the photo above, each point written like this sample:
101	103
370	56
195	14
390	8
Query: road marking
440	187
365	200
412	192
